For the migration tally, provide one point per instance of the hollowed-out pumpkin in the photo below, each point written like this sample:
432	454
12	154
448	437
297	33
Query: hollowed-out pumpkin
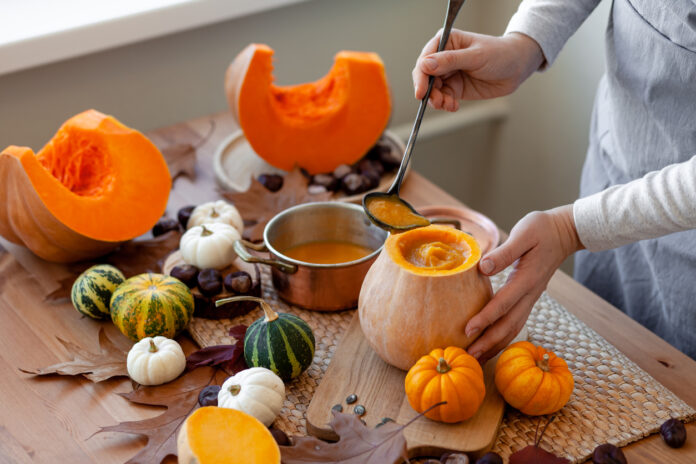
317	125
420	293
96	184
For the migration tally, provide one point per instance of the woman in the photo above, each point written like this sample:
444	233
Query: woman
638	210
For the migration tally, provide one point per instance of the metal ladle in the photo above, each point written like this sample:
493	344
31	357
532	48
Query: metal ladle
392	194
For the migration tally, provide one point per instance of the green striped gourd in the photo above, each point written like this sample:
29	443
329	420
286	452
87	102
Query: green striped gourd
91	291
149	305
281	342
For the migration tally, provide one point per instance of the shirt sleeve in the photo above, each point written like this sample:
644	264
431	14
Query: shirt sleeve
660	203
550	23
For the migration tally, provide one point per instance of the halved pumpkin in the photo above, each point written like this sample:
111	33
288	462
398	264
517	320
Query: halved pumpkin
420	293
96	184
316	125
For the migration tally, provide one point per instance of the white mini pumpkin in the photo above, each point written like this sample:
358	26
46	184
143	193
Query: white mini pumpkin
214	212
256	391
154	361
209	245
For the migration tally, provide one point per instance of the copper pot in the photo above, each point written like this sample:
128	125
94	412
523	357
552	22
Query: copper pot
323	287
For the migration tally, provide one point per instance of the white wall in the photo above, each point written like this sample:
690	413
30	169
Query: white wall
531	161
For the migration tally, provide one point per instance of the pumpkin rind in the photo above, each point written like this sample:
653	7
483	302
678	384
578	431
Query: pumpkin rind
316	125
91	292
149	305
212	435
461	386
526	386
285	345
406	312
81	195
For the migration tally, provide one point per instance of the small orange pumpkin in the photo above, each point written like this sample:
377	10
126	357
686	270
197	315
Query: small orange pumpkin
450	375
533	380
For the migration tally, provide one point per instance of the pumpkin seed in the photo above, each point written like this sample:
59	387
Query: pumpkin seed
359	410
337	407
352	399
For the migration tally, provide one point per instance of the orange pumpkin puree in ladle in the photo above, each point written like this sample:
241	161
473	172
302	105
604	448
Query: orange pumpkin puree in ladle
393	212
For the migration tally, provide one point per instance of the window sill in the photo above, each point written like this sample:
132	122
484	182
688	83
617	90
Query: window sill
71	28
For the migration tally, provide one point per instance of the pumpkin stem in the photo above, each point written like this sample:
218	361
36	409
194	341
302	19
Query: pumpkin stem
153	347
206	231
270	315
543	363
214	213
442	366
235	389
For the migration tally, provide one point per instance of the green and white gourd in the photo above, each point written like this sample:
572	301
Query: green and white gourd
281	342
92	290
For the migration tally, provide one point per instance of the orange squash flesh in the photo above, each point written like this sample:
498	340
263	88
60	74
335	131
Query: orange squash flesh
408	309
96	184
213	435
317	125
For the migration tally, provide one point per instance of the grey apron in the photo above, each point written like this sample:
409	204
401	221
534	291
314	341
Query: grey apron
643	120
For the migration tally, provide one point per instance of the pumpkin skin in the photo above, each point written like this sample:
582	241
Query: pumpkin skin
149	305
281	342
82	195
91	292
450	375
407	311
317	125
533	380
212	435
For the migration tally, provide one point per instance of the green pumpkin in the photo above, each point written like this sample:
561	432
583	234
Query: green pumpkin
149	305
281	342
91	291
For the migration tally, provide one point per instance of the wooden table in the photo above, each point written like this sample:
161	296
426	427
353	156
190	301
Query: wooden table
51	419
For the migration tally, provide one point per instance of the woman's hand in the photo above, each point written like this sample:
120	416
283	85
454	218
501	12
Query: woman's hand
539	243
474	67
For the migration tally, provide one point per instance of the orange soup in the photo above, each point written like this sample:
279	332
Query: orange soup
392	212
327	252
437	254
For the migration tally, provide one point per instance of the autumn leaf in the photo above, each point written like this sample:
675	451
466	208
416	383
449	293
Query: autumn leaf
180	397
356	443
533	454
258	204
132	258
109	362
181	157
228	357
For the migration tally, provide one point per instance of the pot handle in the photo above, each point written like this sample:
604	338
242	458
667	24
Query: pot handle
453	222
240	247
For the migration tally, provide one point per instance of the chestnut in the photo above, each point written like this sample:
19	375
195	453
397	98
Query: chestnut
608	454
490	458
673	433
341	171
208	396
184	214
209	282
186	273
327	181
272	182
164	225
238	282
354	184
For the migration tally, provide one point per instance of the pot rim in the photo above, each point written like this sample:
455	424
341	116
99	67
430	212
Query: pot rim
293	210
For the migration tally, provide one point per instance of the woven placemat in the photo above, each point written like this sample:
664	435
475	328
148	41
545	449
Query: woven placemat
614	400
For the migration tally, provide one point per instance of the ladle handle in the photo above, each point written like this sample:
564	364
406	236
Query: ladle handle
453	8
240	247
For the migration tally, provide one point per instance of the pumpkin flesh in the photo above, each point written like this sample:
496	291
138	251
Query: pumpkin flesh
317	125
96	184
212	435
406	310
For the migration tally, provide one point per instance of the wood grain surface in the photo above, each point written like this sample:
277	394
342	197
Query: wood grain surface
356	369
53	419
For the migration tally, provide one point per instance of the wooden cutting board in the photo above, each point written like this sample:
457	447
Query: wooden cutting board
356	368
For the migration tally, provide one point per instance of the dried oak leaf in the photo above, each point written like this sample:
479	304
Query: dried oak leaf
258	204
181	157
357	444
132	258
109	362
180	397
228	357
533	454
